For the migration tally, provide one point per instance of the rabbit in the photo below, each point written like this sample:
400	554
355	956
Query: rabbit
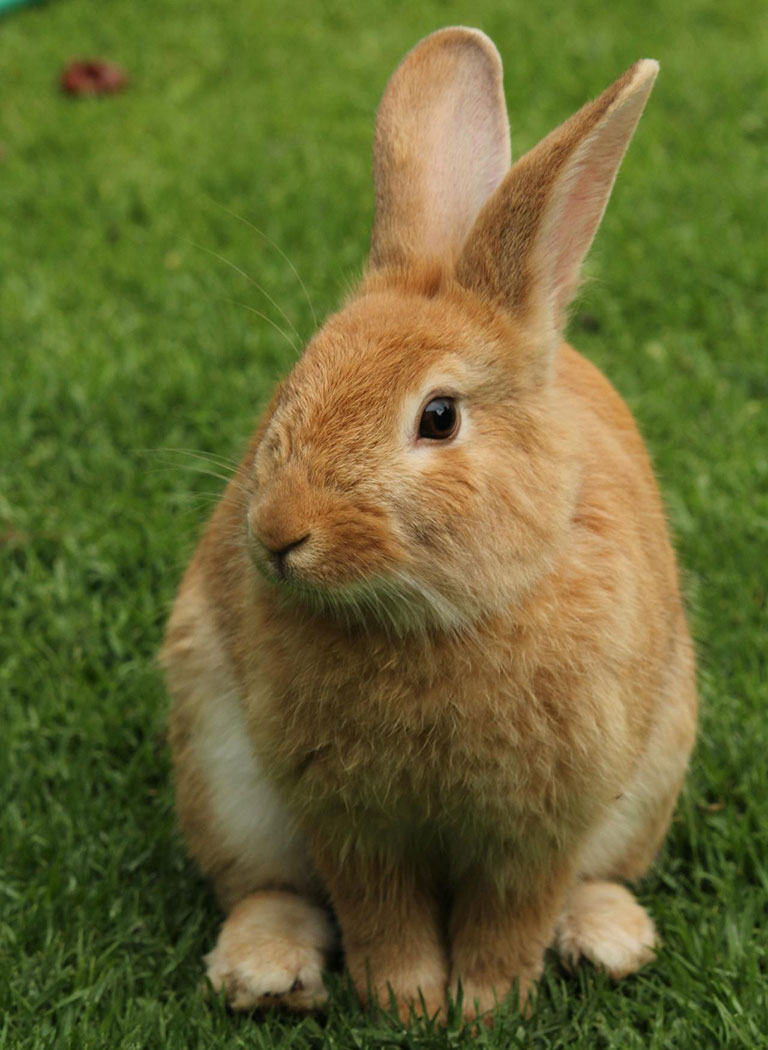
432	681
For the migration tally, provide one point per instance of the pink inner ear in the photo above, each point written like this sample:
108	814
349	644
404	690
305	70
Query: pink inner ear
578	201
441	147
527	246
465	160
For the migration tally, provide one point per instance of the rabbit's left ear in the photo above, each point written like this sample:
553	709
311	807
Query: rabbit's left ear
529	241
441	147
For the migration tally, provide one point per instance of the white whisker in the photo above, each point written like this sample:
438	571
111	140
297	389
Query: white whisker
269	320
212	457
201	464
280	252
256	285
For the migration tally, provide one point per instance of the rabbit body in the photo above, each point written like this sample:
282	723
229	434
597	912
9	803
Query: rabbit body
445	686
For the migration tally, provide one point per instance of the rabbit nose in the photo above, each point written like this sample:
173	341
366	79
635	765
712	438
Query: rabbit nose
279	555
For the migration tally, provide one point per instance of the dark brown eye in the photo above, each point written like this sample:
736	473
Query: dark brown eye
440	419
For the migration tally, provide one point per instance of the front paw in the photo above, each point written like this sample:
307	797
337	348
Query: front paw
604	923
419	993
420	1003
271	951
479	999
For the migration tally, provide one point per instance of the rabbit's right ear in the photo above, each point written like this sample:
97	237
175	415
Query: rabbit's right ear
529	241
441	147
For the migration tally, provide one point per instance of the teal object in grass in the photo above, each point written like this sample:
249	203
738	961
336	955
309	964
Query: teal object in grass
6	5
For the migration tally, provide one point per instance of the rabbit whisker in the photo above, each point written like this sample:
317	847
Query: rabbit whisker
280	252
265	317
254	282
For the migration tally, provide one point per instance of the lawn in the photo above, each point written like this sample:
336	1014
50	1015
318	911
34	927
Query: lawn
137	253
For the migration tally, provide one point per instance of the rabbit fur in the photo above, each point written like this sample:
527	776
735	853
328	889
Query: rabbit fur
441	689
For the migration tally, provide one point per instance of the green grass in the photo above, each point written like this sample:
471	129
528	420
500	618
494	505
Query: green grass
122	339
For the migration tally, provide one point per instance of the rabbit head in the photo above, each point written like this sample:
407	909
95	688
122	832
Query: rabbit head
419	466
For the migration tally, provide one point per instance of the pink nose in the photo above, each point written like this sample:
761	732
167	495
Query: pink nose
281	517
279	557
278	524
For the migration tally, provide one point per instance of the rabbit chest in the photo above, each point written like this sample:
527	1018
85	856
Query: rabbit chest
391	738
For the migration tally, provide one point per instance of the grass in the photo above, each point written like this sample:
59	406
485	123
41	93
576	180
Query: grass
122	341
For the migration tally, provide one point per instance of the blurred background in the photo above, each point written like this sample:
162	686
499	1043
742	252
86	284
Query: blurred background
142	236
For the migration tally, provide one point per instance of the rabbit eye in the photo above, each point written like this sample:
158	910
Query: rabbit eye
439	420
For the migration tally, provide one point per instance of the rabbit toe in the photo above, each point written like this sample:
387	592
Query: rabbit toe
271	951
604	923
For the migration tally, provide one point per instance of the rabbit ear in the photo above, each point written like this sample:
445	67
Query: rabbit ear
528	243
441	147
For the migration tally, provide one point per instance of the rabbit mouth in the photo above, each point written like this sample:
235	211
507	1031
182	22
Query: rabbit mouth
395	602
350	569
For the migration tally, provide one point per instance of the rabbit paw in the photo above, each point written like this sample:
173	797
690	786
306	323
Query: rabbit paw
603	922
271	951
